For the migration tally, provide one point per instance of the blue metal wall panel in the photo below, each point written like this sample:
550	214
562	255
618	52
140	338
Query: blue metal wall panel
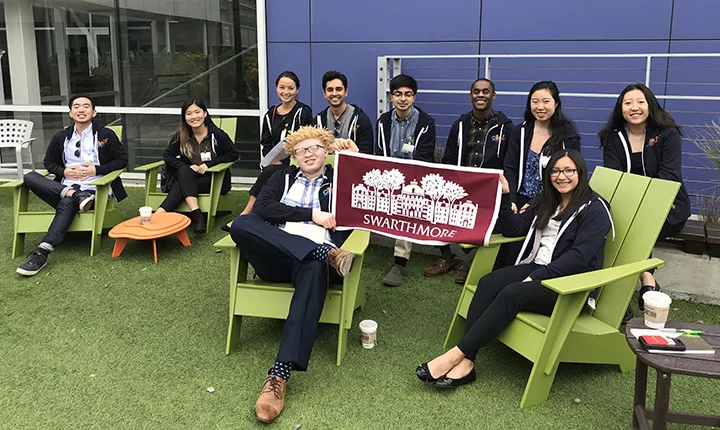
576	20
696	19
289	56
288	21
395	21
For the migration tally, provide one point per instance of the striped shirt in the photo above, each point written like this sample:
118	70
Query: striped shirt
303	193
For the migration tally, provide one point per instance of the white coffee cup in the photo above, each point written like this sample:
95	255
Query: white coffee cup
369	333
657	307
145	215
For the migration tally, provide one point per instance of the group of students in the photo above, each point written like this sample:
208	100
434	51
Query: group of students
545	185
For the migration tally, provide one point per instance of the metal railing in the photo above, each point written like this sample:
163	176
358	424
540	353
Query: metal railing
686	84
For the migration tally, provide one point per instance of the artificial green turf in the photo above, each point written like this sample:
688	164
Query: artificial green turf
125	343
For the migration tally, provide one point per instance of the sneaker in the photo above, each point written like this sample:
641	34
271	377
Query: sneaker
36	260
198	221
395	276
85	200
441	267
462	274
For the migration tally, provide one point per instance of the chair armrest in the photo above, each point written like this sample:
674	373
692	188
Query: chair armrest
149	166
495	239
106	179
357	242
27	142
219	167
590	280
225	243
19	182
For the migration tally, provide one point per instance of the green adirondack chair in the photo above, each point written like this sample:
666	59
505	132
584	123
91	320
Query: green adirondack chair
210	203
574	333
104	214
258	298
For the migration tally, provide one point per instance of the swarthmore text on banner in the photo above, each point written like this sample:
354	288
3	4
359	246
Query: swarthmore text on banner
425	203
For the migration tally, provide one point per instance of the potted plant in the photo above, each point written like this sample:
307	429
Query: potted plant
707	138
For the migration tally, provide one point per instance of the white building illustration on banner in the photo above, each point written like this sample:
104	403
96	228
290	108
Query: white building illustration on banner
434	199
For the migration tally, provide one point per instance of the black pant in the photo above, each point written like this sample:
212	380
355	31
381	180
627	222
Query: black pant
668	230
499	297
264	176
282	257
50	192
190	184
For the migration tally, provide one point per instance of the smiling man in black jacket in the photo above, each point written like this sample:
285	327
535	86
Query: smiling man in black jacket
77	155
406	131
344	120
480	139
299	196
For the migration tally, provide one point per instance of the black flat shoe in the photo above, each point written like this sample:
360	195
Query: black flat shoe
644	289
450	383
225	228
423	373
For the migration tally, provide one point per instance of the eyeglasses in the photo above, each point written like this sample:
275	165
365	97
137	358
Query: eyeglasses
569	173
312	149
408	95
77	151
336	128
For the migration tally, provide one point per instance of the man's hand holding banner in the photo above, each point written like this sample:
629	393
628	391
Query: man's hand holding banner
426	203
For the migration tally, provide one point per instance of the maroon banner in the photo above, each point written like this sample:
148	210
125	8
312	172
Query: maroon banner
427	203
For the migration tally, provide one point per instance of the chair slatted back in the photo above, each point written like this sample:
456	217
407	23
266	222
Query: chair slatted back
228	125
117	129
639	206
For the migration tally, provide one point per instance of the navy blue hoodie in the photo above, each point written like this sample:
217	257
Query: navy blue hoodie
423	136
496	142
221	145
662	158
299	115
514	164
268	206
361	131
111	154
580	243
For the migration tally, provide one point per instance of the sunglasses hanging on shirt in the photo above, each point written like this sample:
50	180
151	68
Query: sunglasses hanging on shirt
77	151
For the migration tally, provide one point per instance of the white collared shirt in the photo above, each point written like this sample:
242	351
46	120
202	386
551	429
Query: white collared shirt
88	154
548	239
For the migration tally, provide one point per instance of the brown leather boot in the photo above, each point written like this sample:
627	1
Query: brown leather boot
341	261
272	399
441	267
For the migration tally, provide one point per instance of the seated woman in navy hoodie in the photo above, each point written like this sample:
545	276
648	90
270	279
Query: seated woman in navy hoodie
642	138
199	145
566	225
545	131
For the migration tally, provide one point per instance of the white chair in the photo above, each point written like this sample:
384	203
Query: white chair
15	133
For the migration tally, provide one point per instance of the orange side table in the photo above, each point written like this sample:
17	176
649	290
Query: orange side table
163	224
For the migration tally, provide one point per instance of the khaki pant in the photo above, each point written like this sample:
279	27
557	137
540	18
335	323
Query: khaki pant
402	249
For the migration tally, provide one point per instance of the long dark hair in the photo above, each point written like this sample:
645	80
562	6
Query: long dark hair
658	118
558	122
549	198
186	133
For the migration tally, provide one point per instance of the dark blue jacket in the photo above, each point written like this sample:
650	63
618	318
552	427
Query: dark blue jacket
361	131
111	154
268	206
423	136
662	158
496	142
299	115
515	159
220	144
580	244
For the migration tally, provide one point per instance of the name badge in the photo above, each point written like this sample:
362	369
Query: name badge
205	156
408	148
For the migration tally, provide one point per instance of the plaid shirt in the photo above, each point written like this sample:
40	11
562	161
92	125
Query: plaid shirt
303	193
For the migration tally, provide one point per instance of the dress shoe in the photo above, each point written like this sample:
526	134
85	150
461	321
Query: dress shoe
341	261
423	373
272	399
448	383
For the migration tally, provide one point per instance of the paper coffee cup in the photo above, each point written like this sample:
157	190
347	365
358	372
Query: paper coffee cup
657	307
145	215
369	333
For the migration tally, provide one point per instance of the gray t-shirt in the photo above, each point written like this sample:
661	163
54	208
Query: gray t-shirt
343	129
